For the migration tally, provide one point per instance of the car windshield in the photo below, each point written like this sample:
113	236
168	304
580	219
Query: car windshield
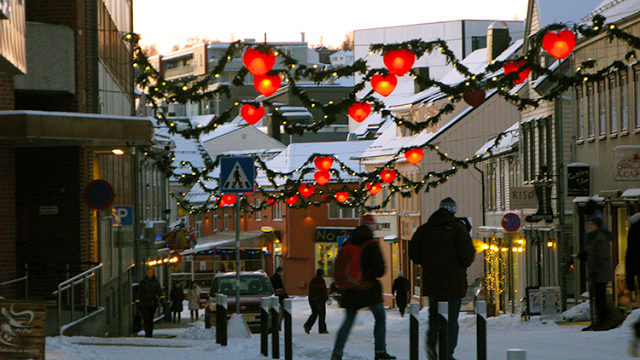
249	285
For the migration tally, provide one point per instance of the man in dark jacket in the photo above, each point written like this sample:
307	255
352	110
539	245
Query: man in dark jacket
443	247
632	268
400	289
149	297
317	301
373	267
278	288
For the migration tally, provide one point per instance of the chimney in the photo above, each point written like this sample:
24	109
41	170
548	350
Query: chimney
302	36
498	39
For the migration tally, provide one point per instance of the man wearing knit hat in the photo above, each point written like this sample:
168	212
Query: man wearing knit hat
443	247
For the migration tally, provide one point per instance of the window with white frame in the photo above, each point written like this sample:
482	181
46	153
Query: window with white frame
525	149
226	222
591	115
613	106
503	187
602	108
339	212
216	220
579	114
258	213
277	211
491	186
624	101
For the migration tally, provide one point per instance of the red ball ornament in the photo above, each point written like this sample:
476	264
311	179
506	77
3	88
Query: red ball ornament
322	177
291	199
474	98
373	188
384	85
228	199
388	175
341	196
414	156
399	62
513	66
359	111
323	163
258	62
306	190
559	45
267	84
251	114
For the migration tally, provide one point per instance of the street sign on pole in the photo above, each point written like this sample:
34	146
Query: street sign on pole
237	175
122	215
511	222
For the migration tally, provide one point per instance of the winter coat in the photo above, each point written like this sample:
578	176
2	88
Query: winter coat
177	296
400	289
277	283
373	267
149	292
193	295
443	247
632	260
318	288
599	262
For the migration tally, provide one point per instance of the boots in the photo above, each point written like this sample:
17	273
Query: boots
384	356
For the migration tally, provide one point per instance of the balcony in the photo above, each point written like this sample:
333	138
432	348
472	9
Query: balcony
178	72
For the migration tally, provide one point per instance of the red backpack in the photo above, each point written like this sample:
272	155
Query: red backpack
347	273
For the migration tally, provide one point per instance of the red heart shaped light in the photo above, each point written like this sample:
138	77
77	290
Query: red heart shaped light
271	201
359	111
306	190
414	156
251	114
388	175
399	62
384	85
258	62
323	163
474	98
291	199
341	196
513	66
267	84
373	188
228	199
322	177
559	45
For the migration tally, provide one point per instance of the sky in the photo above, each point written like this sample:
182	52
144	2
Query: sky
165	22
548	341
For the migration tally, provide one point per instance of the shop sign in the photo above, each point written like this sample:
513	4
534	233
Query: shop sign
22	330
331	234
626	163
523	197
578	180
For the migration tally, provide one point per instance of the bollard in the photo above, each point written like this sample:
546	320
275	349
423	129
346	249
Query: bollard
275	322
516	354
288	346
443	330
218	319
223	320
264	326
481	328
414	330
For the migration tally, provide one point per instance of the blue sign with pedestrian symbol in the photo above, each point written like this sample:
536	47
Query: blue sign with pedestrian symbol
237	175
511	222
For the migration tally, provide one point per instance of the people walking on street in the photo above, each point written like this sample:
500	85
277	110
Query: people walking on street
318	302
149	297
372	267
443	248
278	288
400	289
176	296
632	268
193	295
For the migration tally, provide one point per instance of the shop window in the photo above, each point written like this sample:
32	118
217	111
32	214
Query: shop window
325	256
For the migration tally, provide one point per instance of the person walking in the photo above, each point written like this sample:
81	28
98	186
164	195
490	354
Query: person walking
632	268
400	289
372	267
443	248
149	297
193	295
317	301
278	288
176	296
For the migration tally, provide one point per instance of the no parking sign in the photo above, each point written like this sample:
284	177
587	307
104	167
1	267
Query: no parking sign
511	222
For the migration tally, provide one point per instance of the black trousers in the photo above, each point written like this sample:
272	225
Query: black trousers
600	300
319	311
147	319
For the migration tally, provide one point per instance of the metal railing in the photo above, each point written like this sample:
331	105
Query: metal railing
69	285
25	278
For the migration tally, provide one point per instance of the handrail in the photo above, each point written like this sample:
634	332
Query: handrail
25	278
70	284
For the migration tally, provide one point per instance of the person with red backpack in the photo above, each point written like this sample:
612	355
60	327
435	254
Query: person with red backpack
357	280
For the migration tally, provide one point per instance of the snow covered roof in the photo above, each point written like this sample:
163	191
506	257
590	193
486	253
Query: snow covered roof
612	10
549	11
506	143
185	150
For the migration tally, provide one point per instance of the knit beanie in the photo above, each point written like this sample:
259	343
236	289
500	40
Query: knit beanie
400	274
449	204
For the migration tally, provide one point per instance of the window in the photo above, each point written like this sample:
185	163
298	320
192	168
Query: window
525	150
636	88
503	187
338	212
513	172
579	116
325	256
216	220
277	211
602	108
491	186
624	101
478	42
542	142
258	213
613	103
227	222
591	116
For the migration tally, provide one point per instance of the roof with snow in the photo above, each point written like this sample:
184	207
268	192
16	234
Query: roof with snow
612	10
506	143
550	11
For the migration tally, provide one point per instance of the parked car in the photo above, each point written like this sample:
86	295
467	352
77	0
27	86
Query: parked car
253	286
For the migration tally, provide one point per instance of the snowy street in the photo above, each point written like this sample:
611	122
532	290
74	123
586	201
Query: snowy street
550	341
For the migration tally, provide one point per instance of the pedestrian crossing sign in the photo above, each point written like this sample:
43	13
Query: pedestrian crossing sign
237	175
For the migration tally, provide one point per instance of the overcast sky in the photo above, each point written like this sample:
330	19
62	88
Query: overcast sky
169	22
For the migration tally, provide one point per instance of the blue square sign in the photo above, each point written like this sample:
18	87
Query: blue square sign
237	175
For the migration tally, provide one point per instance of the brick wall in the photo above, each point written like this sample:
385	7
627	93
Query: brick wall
7	218
6	92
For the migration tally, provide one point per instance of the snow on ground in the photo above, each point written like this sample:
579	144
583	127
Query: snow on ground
541	341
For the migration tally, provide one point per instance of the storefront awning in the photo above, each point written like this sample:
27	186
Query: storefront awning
584	199
227	240
631	193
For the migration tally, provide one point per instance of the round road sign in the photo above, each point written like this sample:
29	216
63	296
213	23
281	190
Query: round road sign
511	222
99	194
